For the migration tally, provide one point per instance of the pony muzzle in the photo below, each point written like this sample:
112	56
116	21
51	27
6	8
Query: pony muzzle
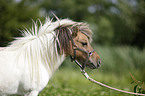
94	64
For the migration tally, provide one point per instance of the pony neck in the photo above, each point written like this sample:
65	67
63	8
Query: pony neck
36	50
39	46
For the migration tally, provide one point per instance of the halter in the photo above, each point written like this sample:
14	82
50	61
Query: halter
74	57
87	76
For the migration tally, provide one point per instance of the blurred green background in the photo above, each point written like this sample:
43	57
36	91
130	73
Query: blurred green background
119	38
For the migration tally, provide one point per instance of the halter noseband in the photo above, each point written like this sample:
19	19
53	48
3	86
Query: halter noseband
74	57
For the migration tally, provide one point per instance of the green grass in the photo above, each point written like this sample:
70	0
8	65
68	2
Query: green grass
70	82
117	64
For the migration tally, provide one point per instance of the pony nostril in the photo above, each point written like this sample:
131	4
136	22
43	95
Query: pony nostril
99	62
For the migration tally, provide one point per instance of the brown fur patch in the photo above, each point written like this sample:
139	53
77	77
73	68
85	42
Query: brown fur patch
64	37
65	34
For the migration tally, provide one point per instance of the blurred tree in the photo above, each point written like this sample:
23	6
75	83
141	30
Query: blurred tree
128	24
13	16
139	18
114	22
105	31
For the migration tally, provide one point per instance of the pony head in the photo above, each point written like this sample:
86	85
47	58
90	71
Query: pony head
74	40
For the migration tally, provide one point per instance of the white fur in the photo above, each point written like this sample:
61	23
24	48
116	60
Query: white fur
29	62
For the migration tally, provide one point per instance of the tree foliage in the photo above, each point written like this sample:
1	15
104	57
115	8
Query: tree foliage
13	17
114	22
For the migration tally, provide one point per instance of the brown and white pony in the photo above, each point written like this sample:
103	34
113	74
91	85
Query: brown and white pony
29	62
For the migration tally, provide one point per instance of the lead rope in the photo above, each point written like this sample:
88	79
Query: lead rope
82	68
96	82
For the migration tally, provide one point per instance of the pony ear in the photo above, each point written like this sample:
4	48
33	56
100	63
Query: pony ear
74	34
75	30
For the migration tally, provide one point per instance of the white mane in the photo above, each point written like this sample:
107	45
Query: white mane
38	46
28	63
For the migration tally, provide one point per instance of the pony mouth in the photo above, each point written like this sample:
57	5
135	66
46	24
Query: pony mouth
92	66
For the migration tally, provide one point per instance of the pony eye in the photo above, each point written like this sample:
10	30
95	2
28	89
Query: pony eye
84	43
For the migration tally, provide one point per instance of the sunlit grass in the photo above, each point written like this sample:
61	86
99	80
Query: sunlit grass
69	82
117	64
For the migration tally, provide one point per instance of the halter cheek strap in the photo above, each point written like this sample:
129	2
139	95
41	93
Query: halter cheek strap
74	51
87	58
74	58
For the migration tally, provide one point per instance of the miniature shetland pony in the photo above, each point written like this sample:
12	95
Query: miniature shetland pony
28	63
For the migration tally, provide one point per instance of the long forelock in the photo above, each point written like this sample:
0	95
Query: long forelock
64	34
